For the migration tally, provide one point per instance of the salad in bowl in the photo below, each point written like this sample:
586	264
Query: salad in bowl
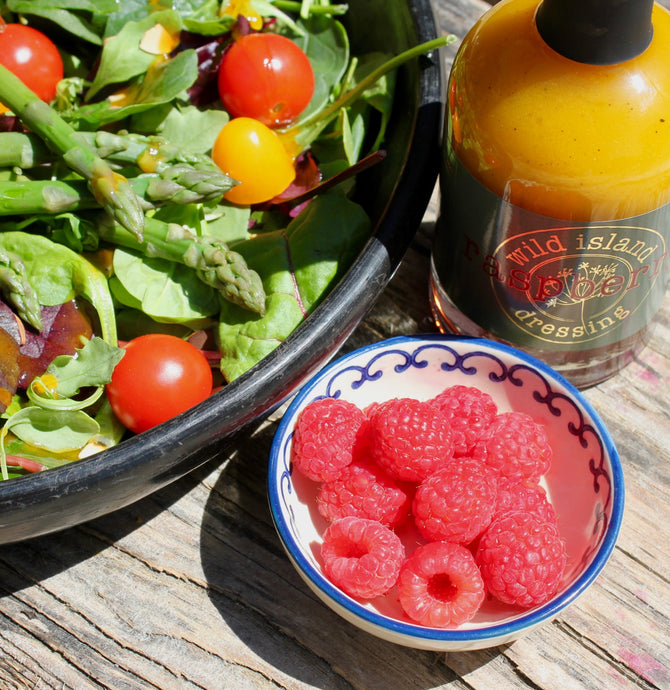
183	187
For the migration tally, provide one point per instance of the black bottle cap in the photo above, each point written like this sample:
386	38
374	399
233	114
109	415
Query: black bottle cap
598	32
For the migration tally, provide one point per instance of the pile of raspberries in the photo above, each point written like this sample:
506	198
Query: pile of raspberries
465	473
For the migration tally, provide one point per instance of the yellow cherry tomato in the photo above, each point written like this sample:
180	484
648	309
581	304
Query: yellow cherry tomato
252	154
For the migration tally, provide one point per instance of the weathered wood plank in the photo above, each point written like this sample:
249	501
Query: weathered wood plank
190	588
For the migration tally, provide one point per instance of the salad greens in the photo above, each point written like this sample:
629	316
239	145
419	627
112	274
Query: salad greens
109	195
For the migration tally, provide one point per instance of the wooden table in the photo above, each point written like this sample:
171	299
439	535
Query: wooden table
190	588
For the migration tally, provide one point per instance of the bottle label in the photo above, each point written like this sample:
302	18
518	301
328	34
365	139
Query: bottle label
542	282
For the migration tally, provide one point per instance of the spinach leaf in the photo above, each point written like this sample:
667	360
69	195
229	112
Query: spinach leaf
82	18
192	129
136	10
299	265
326	44
34	6
122	57
166	81
168	292
228	222
380	95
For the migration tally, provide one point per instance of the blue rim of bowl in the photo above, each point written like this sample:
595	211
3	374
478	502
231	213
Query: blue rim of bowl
501	630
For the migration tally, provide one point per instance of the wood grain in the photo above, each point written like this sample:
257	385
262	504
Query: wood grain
190	587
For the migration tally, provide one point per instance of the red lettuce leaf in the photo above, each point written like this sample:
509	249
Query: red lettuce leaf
63	328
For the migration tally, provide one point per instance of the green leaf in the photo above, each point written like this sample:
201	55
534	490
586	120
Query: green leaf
353	133
380	95
299	266
122	58
57	431
31	6
92	365
110	429
167	81
136	10
268	10
326	44
166	291
193	129
228	222
70	15
75	232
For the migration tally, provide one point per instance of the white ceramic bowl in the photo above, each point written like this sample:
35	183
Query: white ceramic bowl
585	482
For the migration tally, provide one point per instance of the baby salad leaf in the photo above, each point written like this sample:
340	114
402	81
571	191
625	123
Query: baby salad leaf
59	431
74	16
192	129
299	264
92	365
55	421
166	291
122	57
228	222
205	18
165	81
269	10
34	6
380	95
17	447
110	429
130	11
326	43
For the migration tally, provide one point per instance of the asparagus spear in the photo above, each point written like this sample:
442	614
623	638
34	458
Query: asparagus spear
176	184
215	264
22	150
112	191
149	153
184	183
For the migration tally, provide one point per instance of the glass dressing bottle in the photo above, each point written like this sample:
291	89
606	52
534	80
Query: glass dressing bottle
555	189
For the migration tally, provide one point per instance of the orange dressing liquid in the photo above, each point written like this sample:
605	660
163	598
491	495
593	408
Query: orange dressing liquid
558	137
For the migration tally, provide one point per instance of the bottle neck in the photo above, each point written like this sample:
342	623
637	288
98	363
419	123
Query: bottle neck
598	32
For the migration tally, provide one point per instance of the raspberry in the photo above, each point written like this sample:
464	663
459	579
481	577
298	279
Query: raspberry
361	557
364	491
410	438
521	558
325	434
518	495
470	411
455	503
515	445
440	585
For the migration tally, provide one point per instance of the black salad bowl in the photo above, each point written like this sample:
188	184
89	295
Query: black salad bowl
395	194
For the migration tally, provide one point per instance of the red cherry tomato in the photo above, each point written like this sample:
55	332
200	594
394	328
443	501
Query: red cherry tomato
159	377
254	155
32	57
267	77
